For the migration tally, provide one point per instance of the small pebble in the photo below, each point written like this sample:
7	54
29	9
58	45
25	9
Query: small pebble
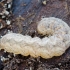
9	6
44	2
3	59
8	22
3	16
1	26
6	12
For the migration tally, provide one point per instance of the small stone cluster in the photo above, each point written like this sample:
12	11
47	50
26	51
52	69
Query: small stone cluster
5	13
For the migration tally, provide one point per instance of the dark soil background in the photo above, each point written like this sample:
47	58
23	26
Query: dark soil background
25	16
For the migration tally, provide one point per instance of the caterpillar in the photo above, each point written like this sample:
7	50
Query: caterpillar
54	43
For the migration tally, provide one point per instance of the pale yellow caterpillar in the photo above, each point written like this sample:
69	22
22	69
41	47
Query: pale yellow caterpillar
55	42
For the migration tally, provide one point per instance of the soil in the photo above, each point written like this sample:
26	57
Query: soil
24	18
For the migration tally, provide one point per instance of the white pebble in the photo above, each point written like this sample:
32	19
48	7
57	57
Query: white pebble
9	6
6	12
3	16
4	59
8	22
